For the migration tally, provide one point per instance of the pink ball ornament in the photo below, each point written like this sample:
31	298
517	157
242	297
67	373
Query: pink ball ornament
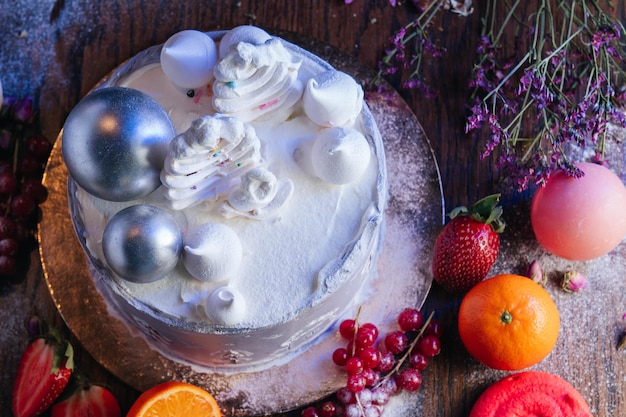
580	218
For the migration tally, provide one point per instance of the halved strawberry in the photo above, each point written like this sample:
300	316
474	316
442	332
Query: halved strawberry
88	401
42	375
468	245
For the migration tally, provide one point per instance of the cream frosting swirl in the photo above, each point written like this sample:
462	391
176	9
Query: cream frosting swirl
212	252
225	306
333	98
254	80
205	161
245	33
340	155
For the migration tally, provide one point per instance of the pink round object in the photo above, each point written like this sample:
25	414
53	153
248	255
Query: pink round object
580	218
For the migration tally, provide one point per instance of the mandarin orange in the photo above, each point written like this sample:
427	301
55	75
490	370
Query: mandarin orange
508	322
175	399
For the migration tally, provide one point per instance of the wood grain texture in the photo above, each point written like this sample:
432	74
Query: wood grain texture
58	49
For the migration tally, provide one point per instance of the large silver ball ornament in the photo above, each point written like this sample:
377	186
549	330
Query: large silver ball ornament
115	141
142	243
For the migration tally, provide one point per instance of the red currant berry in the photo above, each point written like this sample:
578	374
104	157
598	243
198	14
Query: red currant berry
366	335
8	246
354	349
371	377
7	227
328	409
354	366
418	361
390	386
365	397
429	346
29	166
387	362
310	412
340	356
38	146
8	183
34	188
8	265
396	342
410	319
345	396
434	328
22	205
371	357
372	411
380	396
347	328
356	382
409	379
352	410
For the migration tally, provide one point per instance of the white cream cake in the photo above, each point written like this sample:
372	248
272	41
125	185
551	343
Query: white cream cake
267	216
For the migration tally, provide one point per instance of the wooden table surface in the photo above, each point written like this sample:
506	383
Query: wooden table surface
57	50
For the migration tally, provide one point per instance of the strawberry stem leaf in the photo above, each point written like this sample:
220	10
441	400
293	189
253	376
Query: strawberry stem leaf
486	210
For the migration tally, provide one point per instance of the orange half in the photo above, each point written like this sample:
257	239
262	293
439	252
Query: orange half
175	399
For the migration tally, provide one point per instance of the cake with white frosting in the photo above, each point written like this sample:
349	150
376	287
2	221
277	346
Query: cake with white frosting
265	221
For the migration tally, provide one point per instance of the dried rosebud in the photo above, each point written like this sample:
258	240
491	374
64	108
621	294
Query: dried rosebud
535	272
574	281
23	109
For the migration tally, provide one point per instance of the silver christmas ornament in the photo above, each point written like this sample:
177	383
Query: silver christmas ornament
142	243
115	141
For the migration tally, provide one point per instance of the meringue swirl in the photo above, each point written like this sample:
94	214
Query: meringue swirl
259	196
254	80
205	161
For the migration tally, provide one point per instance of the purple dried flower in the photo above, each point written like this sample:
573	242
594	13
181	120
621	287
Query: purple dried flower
412	42
574	281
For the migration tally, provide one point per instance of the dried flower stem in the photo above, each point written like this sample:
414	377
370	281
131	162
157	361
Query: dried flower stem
413	35
559	92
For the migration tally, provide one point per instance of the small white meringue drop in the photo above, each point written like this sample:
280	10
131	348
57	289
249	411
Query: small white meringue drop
340	155
246	33
188	58
333	98
212	252
225	306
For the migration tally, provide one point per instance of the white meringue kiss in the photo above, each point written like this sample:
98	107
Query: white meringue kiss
333	98
188	58
212	252
225	306
340	155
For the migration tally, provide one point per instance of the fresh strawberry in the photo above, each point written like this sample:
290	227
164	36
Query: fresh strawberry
43	373
88	401
468	245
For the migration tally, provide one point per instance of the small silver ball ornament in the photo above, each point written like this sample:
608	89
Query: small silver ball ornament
115	141
142	243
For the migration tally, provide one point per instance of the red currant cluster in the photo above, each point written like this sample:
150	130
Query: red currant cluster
23	154
380	367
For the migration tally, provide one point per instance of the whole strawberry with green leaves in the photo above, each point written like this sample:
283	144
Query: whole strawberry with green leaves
468	245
